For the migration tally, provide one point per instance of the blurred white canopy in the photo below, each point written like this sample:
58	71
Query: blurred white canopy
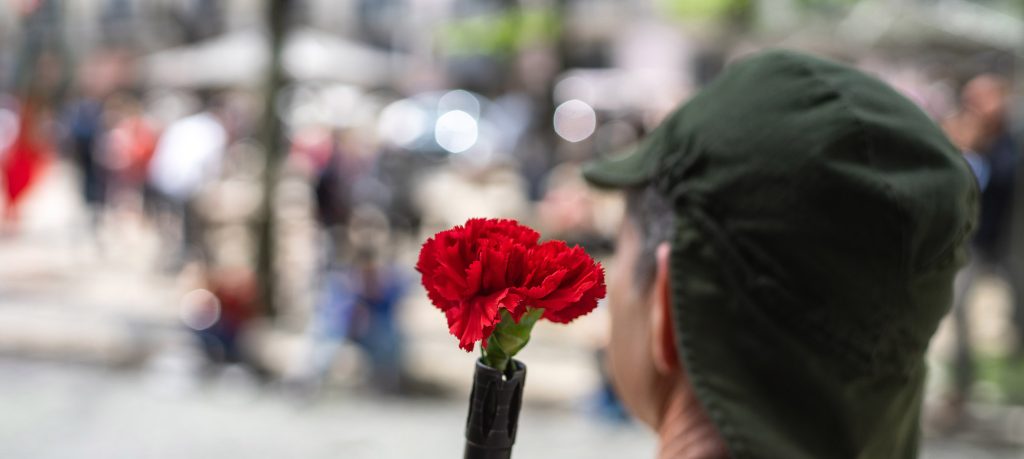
241	58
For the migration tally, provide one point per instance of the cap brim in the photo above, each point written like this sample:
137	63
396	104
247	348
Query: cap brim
633	168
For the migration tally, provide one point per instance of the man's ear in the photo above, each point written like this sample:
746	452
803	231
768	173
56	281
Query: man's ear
663	336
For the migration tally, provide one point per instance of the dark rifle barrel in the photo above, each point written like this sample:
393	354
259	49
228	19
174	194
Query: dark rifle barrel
494	411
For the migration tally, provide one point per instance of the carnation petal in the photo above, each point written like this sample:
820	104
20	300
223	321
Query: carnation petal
572	289
547	285
587	303
497	264
474	320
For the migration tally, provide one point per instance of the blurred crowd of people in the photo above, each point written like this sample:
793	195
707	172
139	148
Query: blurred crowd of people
188	165
360	195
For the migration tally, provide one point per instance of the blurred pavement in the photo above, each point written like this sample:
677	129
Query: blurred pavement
59	411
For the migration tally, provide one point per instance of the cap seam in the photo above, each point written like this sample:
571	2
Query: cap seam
735	439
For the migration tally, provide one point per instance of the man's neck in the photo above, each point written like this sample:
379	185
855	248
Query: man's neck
686	432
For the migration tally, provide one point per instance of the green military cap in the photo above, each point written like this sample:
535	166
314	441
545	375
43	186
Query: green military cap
821	218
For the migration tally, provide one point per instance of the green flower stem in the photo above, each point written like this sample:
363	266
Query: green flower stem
509	337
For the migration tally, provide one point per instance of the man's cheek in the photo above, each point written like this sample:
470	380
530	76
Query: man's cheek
615	361
624	367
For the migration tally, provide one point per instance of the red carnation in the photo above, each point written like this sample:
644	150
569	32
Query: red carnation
470	272
563	280
476	271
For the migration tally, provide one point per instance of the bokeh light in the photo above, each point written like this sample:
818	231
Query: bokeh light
402	122
459	100
575	120
199	309
456	131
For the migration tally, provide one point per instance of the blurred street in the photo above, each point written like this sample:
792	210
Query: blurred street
63	297
63	412
56	411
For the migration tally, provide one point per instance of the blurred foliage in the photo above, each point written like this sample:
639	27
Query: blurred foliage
825	3
738	9
502	33
1006	374
704	9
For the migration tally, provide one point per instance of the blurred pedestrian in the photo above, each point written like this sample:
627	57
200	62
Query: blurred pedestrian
218	313
360	304
981	131
188	155
236	292
24	160
334	172
130	144
83	121
379	285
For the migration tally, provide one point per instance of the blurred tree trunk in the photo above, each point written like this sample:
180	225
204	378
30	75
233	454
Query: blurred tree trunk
42	38
544	127
272	137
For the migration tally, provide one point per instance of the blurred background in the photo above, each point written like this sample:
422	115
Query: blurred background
210	209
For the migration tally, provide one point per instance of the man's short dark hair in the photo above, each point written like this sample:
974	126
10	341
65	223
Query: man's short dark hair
655	221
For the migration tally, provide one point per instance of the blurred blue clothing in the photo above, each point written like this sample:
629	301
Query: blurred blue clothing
980	168
350	291
334	312
84	121
360	305
997	179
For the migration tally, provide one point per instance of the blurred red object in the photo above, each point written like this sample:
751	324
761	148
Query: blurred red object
133	141
24	160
